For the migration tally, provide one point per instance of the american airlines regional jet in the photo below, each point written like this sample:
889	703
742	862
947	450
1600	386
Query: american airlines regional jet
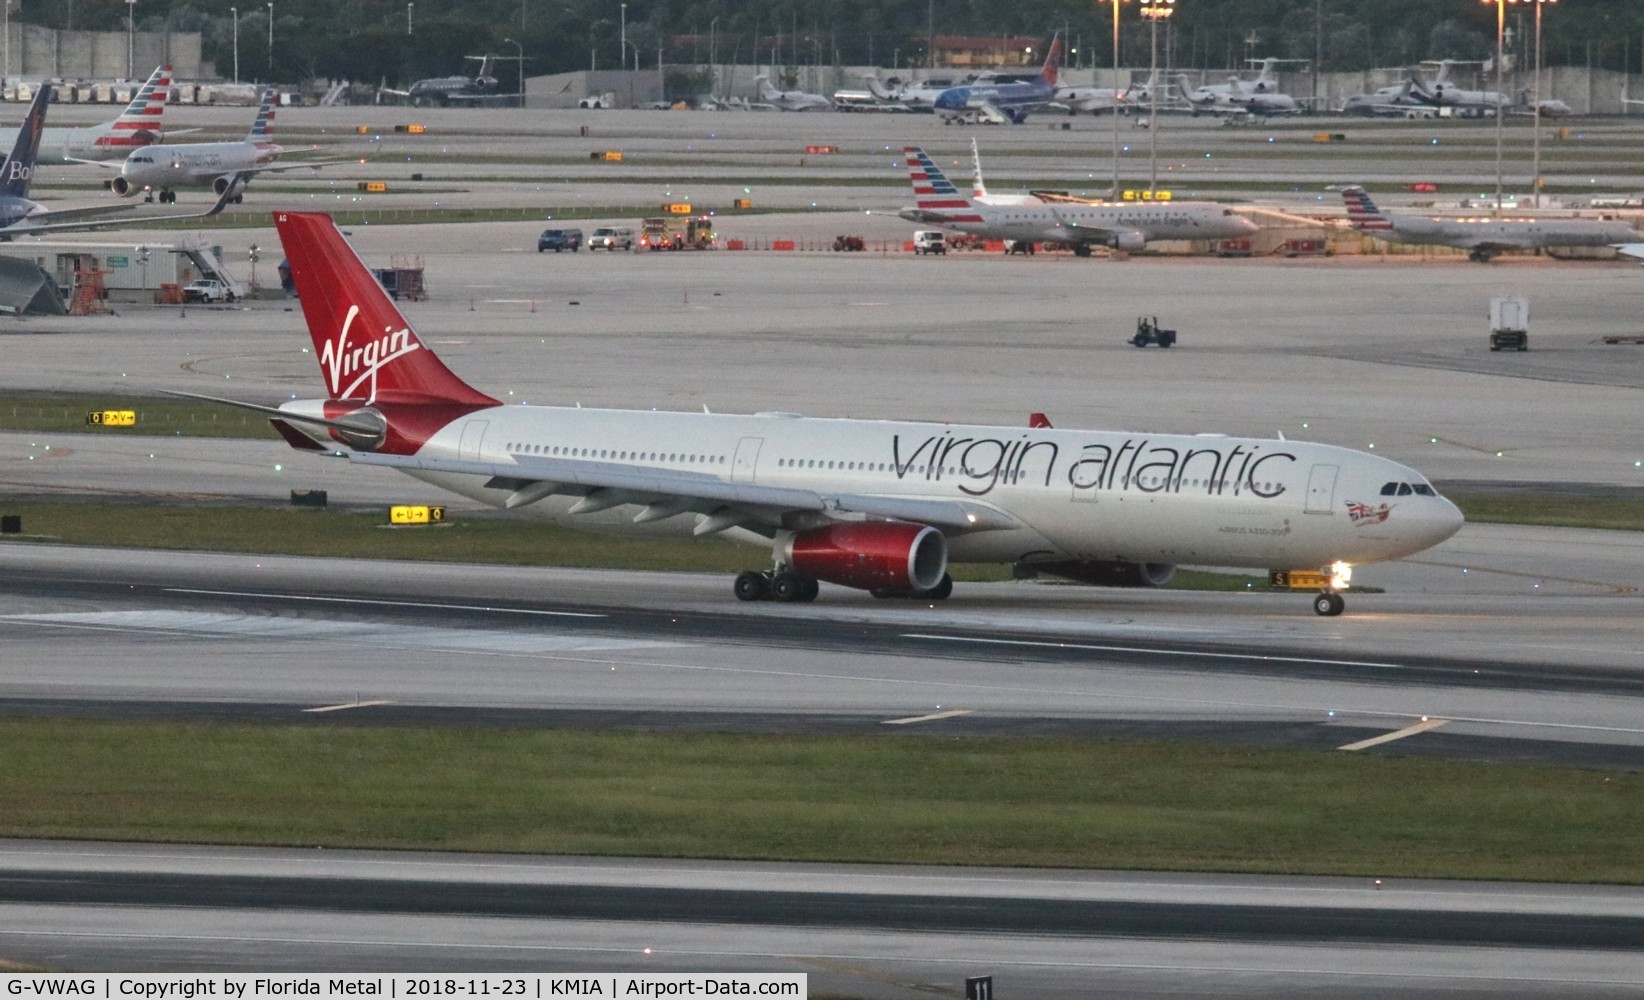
1123	226
877	505
1482	237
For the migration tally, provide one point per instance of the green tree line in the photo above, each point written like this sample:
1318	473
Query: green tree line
398	41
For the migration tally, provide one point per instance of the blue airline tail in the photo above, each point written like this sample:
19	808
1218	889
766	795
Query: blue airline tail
18	171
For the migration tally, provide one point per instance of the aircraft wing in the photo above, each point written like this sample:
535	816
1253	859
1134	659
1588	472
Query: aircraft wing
275	168
1631	249
30	229
530	478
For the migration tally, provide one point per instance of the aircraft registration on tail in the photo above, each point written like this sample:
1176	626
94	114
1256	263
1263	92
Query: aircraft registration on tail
878	505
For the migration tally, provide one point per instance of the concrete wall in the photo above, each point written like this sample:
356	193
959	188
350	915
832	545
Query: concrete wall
34	52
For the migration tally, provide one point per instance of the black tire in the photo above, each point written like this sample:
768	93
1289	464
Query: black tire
1328	605
787	587
942	591
751	586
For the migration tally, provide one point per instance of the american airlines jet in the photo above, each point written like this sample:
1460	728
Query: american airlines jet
138	125
1123	226
877	505
1485	236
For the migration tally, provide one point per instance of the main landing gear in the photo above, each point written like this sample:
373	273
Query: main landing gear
777	585
1329	604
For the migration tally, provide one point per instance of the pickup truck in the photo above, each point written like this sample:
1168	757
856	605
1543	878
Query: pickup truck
207	290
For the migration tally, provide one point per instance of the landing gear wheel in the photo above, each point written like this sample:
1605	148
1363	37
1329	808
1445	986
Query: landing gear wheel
1328	605
787	587
1081	249
941	591
751	586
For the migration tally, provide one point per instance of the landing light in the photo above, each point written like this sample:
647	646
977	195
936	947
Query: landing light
1341	576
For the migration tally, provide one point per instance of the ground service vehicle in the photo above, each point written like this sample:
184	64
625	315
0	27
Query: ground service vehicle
1148	332
611	238
930	241
207	290
560	239
695	233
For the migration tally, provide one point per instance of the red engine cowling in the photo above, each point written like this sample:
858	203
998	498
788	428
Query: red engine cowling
903	558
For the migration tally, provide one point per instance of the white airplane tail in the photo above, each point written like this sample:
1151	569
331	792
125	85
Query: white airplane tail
936	199
1362	212
140	123
767	93
263	127
877	89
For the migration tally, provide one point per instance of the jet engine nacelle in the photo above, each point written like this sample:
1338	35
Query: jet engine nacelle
121	187
226	181
885	556
1129	242
1104	573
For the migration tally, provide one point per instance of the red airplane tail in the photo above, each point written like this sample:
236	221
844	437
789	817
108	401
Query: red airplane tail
366	349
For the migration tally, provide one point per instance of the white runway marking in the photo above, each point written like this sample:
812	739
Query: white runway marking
932	717
347	705
1155	652
1420	727
389	604
201	623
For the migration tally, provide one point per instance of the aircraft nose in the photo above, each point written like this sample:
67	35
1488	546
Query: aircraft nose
1440	520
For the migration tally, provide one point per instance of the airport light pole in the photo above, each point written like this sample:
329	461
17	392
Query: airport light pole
131	34
408	8
713	57
1115	193
519	61
1535	169
622	39
1501	31
270	41
235	13
1155	11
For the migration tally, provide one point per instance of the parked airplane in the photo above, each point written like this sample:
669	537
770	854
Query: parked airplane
1398	100
1004	101
1484	237
790	100
915	95
1441	93
138	125
1123	226
444	90
1093	100
20	216
877	505
227	167
1260	96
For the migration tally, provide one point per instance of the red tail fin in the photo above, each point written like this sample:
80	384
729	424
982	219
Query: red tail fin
366	349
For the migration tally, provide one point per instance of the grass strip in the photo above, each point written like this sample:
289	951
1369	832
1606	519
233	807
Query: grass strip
1058	802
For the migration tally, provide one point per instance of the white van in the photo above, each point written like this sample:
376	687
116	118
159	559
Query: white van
930	241
611	238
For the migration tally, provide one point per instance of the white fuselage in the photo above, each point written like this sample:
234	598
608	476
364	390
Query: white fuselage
1059	494
194	163
89	143
1524	234
1074	223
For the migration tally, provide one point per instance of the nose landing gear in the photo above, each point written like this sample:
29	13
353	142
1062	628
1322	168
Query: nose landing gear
1328	604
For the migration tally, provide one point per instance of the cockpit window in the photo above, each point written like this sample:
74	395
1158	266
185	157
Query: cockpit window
1389	489
1422	489
1405	490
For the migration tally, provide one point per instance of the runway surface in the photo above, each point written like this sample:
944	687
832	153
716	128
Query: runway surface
173	632
872	931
